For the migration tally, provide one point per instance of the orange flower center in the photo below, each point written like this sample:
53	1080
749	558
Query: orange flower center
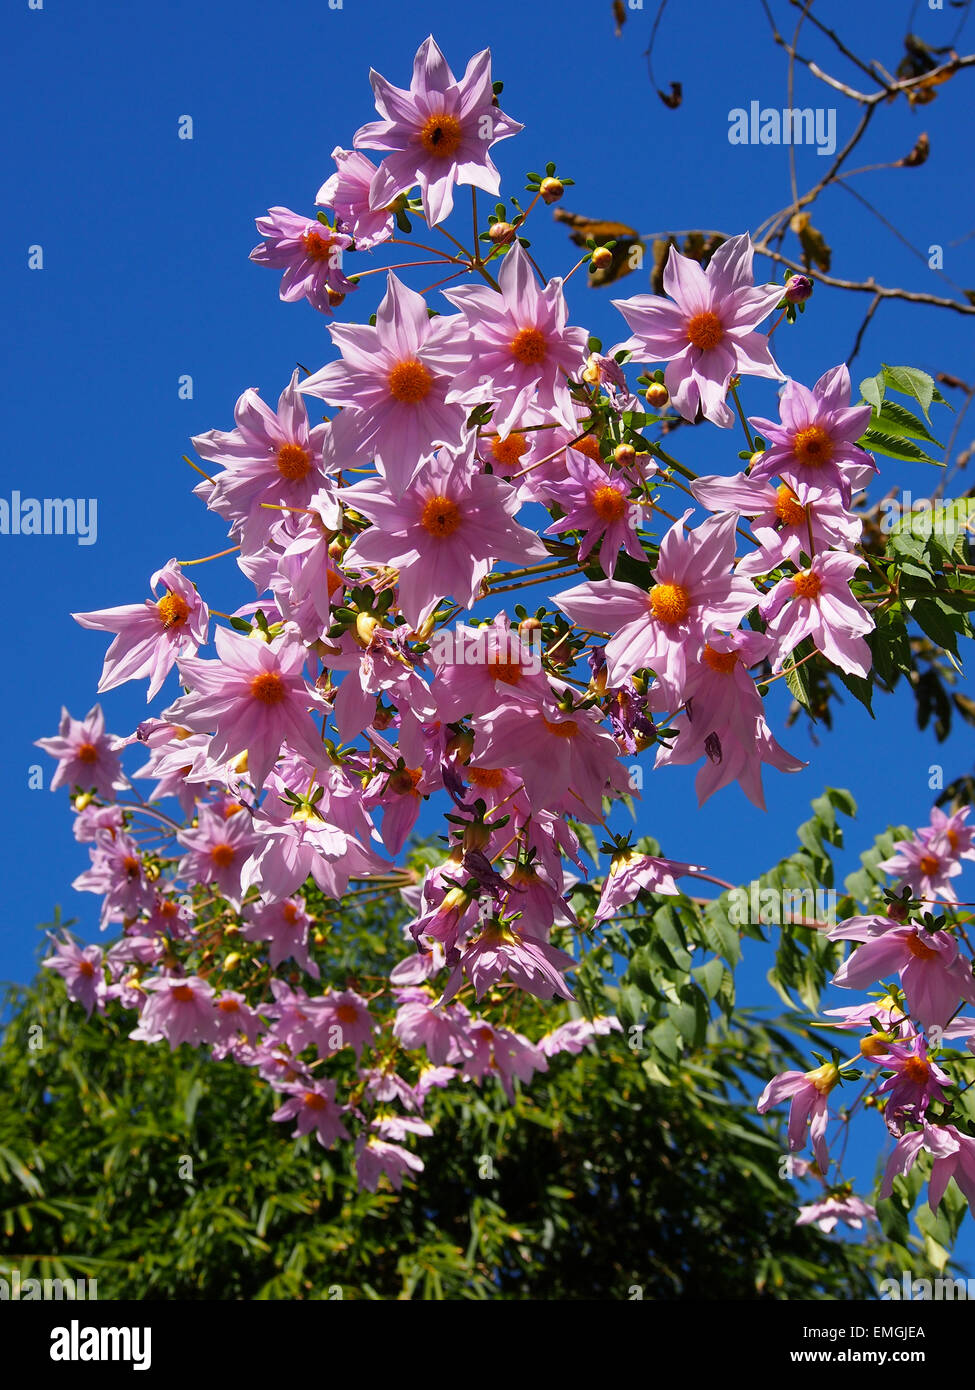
704	331
508	451
317	247
223	855
806	584
788	508
441	135
346	1013
917	1069
510	672
182	994
669	603
231	808
229	1006
440	516
952	837
87	753
565	729
173	610
529	346
608	503
131	866
812	446
917	948
290	913
269	688
410	381
486	776
86	968
929	865
725	662
589	445
294	462
313	1101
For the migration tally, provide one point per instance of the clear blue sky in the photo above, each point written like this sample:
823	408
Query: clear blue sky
145	240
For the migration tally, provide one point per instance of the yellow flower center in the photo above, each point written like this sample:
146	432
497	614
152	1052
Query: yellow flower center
788	508
812	446
440	516
724	662
508	451
704	331
806	584
669	603
824	1078
410	381
589	445
529	346
294	462
608	503
173	610
269	688
223	856
441	135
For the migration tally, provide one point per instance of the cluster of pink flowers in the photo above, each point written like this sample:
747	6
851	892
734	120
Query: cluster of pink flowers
925	977
302	752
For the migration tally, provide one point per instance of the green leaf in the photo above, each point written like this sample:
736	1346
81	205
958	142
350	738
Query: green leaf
895	446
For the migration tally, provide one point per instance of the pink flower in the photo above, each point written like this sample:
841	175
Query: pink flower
395	377
953	1154
314	1106
724	719
597	502
578	1033
376	1158
443	536
151	635
782	518
632	873
118	873
917	1082
309	253
219	847
254	699
809	1092
81	969
422	1022
348	192
815	444
522	350
694	588
952	830
285	925
179	1010
533	965
707	335
817	603
86	755
933	974
440	131
926	866
484	666
270	457
851	1210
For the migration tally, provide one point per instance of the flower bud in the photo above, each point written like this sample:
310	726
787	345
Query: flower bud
501	233
624	455
335	297
798	288
551	190
365	626
461	745
232	961
874	1045
527	626
657	395
601	258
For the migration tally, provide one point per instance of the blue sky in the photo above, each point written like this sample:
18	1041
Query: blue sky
145	278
